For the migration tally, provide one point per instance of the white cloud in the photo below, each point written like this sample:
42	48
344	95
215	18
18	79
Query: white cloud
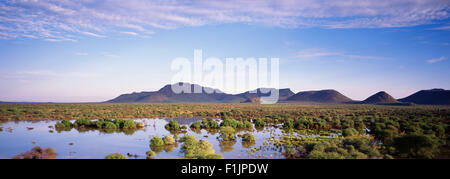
64	20
316	53
446	27
130	33
92	34
435	60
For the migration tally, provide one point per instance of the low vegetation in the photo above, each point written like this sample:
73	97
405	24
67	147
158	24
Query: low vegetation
198	149
106	124
116	156
367	131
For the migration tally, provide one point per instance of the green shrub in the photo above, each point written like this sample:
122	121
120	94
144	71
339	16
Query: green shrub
116	156
82	123
109	125
259	123
169	140
227	133
64	124
288	124
150	154
119	122
173	126
99	124
129	124
192	148
211	124
247	124
67	123
416	146
156	142
229	122
349	132
196	125
248	137
59	125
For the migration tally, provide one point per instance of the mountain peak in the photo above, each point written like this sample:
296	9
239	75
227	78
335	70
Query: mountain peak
321	96
380	97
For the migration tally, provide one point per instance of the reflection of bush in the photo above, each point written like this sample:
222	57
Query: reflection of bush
197	131
37	153
169	148
248	144
157	149
64	129
226	146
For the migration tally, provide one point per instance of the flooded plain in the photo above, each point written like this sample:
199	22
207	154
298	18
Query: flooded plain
21	136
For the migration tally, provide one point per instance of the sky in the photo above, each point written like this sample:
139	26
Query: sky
91	51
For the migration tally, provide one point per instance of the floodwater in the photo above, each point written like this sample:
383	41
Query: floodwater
21	136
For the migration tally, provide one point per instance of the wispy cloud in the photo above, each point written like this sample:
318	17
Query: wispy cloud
58	74
65	20
44	74
92	34
445	27
130	33
316	53
435	60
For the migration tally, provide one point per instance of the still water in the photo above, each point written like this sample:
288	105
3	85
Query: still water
20	136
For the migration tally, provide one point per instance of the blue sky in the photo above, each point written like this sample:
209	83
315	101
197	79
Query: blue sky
87	51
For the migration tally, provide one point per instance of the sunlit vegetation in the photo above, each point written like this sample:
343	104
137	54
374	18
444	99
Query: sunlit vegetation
193	148
173	126
365	131
169	140
105	124
116	156
150	154
37	153
248	137
227	133
259	123
156	142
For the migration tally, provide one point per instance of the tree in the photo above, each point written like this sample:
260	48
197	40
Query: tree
416	146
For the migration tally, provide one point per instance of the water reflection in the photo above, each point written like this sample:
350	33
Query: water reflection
16	138
226	145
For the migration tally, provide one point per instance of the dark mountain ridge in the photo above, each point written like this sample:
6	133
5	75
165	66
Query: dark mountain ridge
321	96
330	96
432	96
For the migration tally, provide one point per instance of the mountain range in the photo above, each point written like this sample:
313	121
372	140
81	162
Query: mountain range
329	96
